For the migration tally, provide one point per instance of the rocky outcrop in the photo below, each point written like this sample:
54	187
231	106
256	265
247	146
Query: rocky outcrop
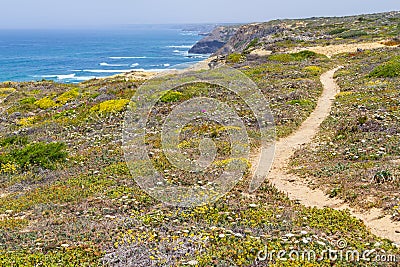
246	34
214	40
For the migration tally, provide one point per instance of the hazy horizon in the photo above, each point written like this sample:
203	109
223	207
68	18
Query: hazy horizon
47	14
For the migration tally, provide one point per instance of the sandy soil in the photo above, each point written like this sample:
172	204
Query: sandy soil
297	189
332	50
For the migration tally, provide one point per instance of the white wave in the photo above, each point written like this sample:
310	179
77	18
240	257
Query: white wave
189	33
152	70
167	65
112	65
180	46
135	65
182	53
125	57
60	76
107	71
86	78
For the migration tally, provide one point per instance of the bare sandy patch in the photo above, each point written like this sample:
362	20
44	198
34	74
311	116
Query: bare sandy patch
331	50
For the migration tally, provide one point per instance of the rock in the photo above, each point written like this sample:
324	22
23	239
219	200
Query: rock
15	115
214	41
206	47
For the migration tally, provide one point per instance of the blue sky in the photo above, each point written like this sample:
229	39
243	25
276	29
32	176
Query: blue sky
98	13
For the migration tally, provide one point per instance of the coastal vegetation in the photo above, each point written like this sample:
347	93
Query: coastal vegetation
68	197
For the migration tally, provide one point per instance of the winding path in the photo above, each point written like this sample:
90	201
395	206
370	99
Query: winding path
297	189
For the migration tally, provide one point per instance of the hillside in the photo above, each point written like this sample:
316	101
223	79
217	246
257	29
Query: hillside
279	35
68	196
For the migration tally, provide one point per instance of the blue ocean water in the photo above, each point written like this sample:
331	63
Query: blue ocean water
72	56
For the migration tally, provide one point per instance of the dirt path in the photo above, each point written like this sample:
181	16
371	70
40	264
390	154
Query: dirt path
331	50
297	189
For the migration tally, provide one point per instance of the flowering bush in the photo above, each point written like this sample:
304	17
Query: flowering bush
45	103
111	106
68	96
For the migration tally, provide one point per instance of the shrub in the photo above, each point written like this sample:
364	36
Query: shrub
301	102
6	91
352	34
37	154
337	31
27	121
45	103
306	54
68	96
14	140
171	96
251	45
235	58
313	70
281	57
389	69
300	56
28	100
8	168
111	106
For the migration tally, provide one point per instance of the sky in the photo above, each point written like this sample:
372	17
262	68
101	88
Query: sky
99	13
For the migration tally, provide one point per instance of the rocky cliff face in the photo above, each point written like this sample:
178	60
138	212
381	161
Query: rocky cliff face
272	36
214	41
246	34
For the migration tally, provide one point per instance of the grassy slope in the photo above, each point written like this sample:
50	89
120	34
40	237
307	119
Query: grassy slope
90	210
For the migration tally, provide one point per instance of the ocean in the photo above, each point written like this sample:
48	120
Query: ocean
76	55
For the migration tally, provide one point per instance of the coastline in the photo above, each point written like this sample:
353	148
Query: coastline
145	75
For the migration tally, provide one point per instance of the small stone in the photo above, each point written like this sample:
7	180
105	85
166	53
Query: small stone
192	262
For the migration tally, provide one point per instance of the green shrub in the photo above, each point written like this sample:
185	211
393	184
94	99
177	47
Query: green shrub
387	70
171	96
352	34
14	140
337	31
281	57
37	154
313	70
28	100
73	256
300	56
251	45
235	58
301	102
303	55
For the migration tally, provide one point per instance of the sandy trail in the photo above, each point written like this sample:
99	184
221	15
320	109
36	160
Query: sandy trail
331	50
296	187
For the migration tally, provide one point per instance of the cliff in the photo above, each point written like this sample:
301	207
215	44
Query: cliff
278	35
212	42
